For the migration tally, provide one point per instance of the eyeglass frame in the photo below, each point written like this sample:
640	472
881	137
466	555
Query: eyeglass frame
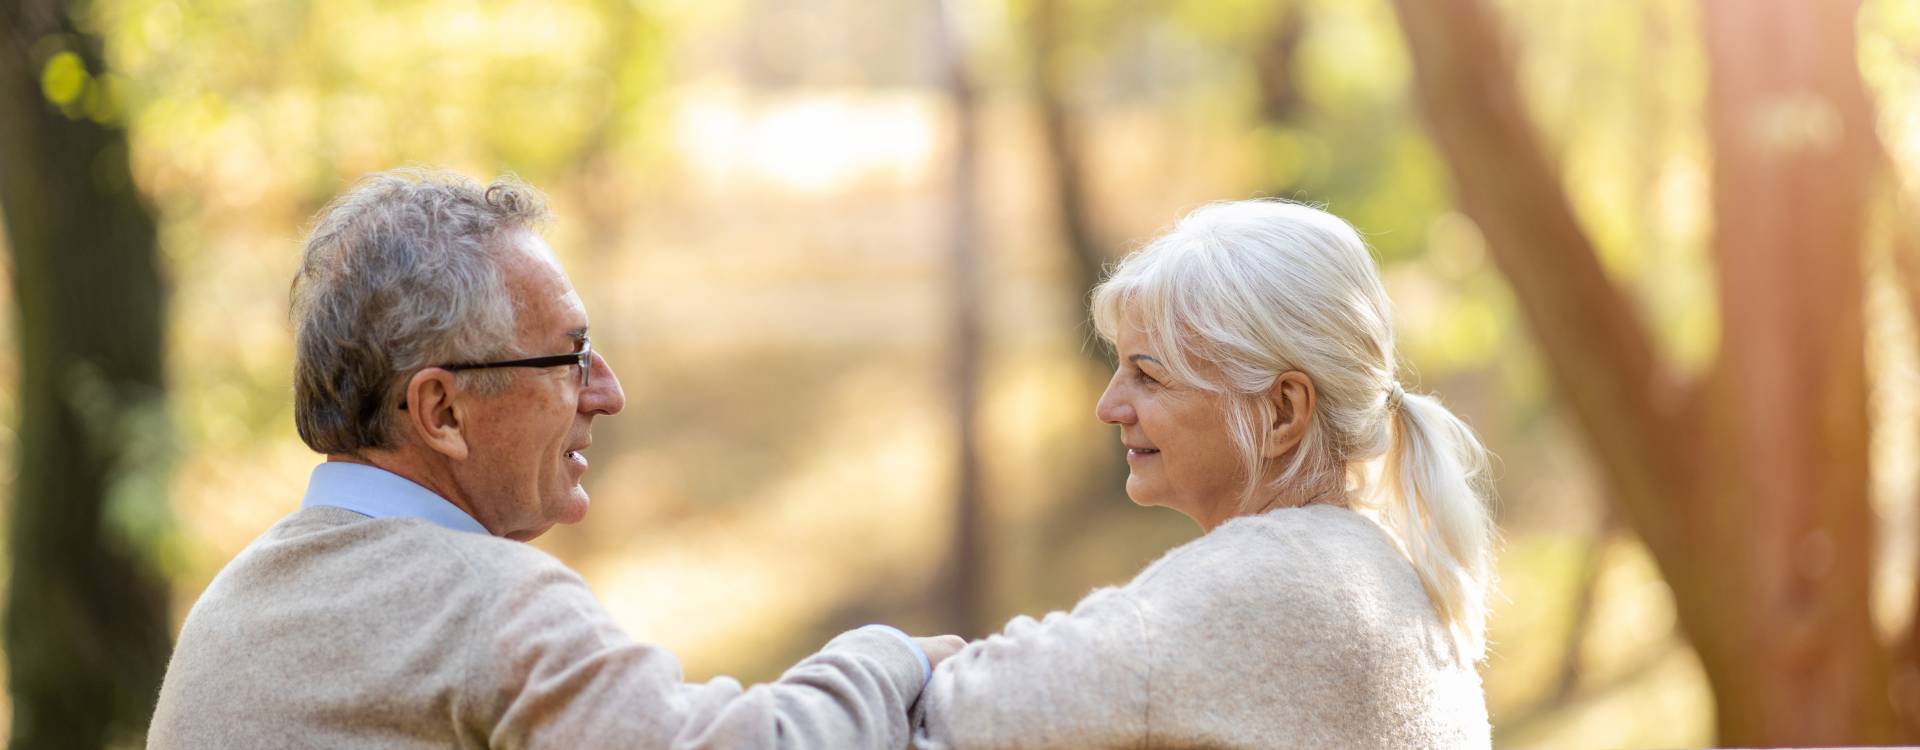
582	359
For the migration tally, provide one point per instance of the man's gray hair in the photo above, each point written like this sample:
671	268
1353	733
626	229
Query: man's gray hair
400	273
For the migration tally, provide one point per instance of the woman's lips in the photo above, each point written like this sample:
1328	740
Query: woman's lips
1141	454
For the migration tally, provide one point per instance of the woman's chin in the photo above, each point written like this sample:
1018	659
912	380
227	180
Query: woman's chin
1141	494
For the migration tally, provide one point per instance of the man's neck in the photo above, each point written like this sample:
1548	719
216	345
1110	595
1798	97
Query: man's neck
437	479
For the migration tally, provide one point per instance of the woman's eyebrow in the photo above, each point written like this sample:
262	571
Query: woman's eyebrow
1137	357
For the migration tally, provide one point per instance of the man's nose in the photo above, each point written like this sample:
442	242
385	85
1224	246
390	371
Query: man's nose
604	395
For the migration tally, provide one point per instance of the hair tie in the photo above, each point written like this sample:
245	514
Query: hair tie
1394	395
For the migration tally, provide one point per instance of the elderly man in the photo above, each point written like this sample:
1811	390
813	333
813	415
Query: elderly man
443	366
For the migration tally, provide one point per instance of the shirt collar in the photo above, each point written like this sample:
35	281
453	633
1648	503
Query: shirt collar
377	493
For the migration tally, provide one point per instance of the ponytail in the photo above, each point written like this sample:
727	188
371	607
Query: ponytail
1432	499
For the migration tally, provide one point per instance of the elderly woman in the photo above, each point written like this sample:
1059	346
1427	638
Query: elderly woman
1338	596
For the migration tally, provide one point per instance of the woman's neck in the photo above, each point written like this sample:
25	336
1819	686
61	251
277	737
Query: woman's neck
1289	496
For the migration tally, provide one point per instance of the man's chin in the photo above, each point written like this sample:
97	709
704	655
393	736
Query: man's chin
574	508
529	534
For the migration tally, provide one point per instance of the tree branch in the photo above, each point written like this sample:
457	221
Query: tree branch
1585	598
1597	350
1515	726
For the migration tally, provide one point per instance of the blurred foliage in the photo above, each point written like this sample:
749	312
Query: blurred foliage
750	201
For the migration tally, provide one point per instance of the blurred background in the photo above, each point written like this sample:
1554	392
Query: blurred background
1659	253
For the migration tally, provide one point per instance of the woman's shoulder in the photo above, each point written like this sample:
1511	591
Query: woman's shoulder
1310	563
1309	617
1290	543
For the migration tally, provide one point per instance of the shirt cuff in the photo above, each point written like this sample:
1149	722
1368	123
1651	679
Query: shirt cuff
926	665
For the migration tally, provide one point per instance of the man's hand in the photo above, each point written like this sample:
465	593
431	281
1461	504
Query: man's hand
940	647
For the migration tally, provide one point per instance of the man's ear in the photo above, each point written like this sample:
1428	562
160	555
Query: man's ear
1293	399
435	410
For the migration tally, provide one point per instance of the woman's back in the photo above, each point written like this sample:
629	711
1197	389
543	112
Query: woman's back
1301	627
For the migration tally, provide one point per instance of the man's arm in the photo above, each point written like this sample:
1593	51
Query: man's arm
555	671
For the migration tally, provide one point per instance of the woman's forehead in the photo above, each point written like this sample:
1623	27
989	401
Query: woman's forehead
1129	336
1133	332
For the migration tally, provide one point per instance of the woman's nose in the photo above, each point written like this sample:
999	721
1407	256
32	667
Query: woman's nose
1112	408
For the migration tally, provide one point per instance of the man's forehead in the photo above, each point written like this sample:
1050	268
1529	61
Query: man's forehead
528	263
526	253
548	304
573	313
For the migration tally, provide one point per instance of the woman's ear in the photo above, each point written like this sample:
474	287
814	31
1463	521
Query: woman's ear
1292	396
434	411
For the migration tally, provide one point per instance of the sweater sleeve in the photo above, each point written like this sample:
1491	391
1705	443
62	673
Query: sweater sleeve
1069	680
555	671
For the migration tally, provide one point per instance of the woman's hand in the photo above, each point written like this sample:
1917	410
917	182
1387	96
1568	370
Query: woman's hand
940	647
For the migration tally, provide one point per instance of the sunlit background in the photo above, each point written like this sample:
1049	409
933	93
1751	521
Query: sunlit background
756	200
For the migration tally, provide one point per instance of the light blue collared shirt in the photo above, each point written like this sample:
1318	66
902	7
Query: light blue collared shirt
378	493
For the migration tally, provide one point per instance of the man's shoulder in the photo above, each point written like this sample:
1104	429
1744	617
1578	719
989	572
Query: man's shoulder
318	610
322	571
340	554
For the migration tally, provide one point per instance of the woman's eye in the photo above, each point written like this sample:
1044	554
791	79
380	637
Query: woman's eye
1147	379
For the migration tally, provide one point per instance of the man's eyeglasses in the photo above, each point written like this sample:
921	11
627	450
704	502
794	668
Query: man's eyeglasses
582	359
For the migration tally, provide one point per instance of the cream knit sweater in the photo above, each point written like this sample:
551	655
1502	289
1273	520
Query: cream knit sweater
1302	627
335	630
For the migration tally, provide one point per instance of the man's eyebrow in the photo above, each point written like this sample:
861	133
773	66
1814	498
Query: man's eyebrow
578	334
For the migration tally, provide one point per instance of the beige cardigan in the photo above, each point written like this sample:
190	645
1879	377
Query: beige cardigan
335	630
1302	627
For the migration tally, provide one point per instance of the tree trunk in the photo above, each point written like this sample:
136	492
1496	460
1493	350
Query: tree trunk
1790	645
1750	486
1066	170
1281	102
1104	480
966	564
86	624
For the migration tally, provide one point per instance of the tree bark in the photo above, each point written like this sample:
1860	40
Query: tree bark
1749	486
86	626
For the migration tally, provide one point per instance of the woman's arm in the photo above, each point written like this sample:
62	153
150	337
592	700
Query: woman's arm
1069	680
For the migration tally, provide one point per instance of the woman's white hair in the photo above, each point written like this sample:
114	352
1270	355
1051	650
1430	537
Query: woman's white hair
1254	289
